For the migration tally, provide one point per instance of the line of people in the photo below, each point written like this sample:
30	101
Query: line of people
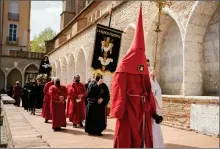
31	95
77	102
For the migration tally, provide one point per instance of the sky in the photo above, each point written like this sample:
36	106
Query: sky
45	14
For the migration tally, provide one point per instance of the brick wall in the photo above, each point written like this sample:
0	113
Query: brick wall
198	113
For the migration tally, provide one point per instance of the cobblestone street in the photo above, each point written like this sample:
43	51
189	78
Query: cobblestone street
76	137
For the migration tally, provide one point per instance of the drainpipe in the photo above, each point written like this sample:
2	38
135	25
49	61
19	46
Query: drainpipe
2	20
28	31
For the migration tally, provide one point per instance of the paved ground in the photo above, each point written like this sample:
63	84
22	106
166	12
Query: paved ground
76	137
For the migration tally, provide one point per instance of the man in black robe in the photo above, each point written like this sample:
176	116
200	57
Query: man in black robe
33	97
98	98
25	96
40	94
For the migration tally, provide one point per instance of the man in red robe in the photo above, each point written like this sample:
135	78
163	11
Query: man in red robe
46	105
17	90
77	95
58	94
69	104
132	102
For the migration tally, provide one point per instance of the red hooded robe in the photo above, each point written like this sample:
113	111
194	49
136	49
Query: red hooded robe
132	102
76	110
46	106
58	107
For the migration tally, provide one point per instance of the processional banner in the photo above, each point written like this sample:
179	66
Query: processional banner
106	49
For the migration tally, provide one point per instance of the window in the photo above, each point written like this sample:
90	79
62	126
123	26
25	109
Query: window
14	7
12	32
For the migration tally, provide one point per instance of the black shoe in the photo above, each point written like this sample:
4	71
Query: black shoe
46	121
74	125
81	125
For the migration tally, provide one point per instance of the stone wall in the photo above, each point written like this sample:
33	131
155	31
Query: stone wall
180	60
171	61
198	113
211	56
16	64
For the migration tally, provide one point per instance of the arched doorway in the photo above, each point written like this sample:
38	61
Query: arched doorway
30	73
169	54
53	72
2	79
13	76
211	56
71	68
64	71
81	66
58	69
126	41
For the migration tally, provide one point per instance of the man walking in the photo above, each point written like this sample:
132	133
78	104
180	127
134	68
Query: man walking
98	98
76	95
58	94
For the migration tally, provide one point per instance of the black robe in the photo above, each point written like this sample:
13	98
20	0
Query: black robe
95	112
32	96
44	70
86	85
40	96
24	96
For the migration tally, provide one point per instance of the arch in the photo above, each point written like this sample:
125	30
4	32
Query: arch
64	71
2	79
71	67
13	76
53	72
126	41
211	56
58	68
30	72
81	65
193	46
169	54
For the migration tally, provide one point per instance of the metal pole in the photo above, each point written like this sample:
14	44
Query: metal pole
110	19
160	4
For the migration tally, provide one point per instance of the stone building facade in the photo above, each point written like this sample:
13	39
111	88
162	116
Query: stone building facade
188	54
16	62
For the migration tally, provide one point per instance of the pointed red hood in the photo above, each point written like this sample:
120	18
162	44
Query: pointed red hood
134	61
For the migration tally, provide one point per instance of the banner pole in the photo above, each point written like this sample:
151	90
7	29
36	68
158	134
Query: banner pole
110	19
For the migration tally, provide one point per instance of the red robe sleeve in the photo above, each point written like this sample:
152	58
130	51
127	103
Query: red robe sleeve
118	95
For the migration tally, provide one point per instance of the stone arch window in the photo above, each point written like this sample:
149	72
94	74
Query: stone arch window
13	76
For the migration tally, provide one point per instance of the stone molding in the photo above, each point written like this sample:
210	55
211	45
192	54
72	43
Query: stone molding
191	99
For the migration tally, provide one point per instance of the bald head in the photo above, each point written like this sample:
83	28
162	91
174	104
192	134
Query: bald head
56	81
77	78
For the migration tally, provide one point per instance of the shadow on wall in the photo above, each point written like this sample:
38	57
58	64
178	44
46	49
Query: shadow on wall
170	145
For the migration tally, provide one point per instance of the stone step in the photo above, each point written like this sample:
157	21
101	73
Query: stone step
25	133
29	142
3	141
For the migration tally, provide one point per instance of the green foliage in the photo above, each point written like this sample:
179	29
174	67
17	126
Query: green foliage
38	42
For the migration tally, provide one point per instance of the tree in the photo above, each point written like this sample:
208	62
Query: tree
38	42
